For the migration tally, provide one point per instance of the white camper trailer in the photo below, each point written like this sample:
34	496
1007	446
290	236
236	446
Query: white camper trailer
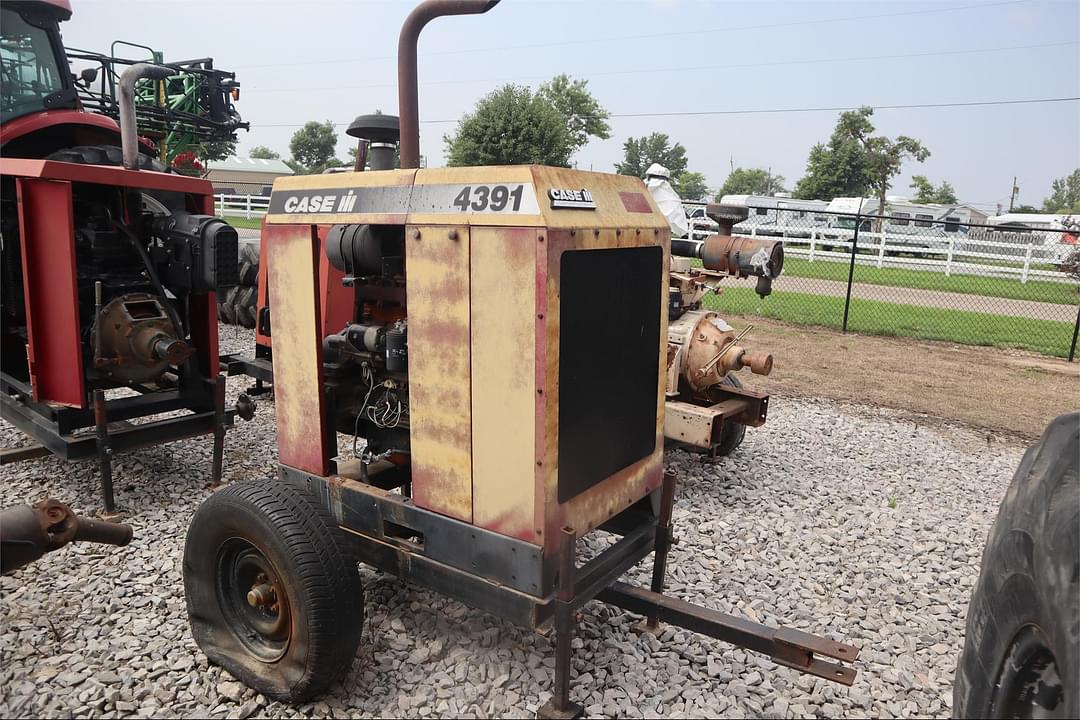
780	215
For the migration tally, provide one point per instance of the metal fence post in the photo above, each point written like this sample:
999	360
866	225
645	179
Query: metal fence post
1076	331
851	267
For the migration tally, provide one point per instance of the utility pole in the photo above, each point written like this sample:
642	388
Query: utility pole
1015	192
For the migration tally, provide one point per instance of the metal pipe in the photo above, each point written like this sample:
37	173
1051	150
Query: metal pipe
408	97
129	133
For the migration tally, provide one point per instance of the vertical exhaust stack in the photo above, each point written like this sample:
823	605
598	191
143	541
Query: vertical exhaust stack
129	133
408	97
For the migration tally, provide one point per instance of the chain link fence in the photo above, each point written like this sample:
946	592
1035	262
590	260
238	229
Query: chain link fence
917	276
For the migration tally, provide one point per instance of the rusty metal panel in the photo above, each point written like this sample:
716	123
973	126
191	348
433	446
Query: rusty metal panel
608	497
292	257
504	394
437	266
47	234
622	201
689	423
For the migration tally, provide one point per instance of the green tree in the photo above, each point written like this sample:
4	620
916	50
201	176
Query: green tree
511	126
1025	209
212	150
691	186
1064	194
884	157
312	148
925	192
751	181
584	116
835	169
640	153
261	152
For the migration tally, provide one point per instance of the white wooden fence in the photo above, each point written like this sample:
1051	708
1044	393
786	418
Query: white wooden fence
988	255
246	206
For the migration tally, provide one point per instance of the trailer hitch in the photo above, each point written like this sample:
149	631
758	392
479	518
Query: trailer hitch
785	646
27	533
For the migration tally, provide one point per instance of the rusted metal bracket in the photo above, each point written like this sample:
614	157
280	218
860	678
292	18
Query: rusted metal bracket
788	647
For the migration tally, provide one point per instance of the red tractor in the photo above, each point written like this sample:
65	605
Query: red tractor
110	265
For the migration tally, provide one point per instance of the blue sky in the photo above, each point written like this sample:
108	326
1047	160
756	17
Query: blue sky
313	60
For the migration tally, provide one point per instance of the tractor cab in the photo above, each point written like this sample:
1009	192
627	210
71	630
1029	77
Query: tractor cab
35	75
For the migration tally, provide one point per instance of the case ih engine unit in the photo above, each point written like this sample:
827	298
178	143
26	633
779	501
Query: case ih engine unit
109	273
504	360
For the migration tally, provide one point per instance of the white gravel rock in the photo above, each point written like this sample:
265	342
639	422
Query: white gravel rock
844	521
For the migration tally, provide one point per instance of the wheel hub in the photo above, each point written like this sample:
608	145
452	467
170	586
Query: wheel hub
254	600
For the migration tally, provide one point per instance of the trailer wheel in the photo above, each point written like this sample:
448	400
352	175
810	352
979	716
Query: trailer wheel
1022	647
731	436
272	595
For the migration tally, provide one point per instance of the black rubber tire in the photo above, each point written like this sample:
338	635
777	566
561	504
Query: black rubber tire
227	308
1028	586
732	435
104	155
249	274
286	526
113	155
249	252
245	306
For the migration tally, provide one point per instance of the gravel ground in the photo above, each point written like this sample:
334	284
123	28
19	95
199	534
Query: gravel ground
836	519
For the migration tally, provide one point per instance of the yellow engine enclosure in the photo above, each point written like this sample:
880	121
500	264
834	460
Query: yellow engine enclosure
484	307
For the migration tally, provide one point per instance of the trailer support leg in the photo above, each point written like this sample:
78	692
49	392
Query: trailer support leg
664	539
219	430
559	707
104	452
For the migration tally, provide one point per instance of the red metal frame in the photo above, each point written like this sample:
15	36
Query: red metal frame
34	122
47	235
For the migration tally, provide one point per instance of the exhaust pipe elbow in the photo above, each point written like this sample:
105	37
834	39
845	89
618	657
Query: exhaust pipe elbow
408	96
129	134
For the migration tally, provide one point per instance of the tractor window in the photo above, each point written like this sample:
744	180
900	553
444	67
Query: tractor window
29	72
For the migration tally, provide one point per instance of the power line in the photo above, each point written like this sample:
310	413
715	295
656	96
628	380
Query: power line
762	111
692	68
620	38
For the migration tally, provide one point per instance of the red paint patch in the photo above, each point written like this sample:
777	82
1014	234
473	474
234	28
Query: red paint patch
635	202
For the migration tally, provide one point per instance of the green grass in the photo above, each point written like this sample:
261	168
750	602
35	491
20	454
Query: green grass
1041	290
238	221
881	318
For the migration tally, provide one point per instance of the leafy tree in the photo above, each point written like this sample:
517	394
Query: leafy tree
212	150
925	192
583	114
1064	195
691	186
312	148
640	153
751	181
511	126
261	152
884	157
1025	209
835	169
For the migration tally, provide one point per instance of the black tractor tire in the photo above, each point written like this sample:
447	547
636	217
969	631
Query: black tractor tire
103	155
113	155
245	306
1021	652
271	538
249	252
227	307
249	274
